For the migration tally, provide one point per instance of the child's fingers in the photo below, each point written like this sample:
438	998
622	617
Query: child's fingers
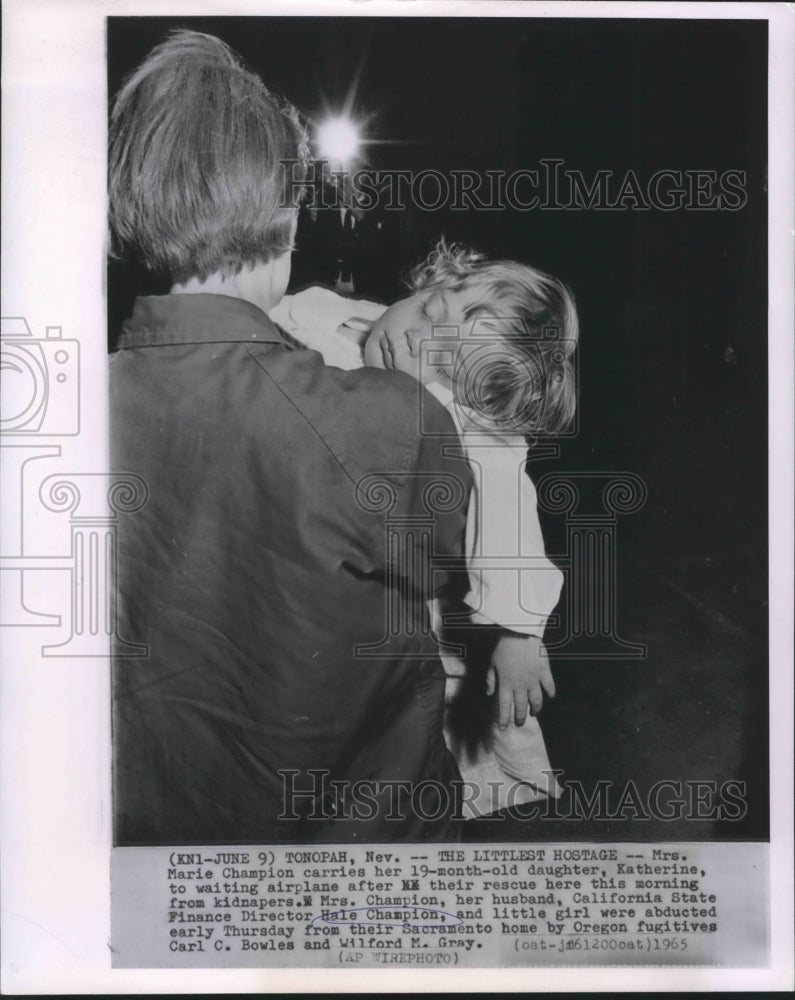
358	323
491	681
414	348
520	708
547	682
504	706
536	698
354	333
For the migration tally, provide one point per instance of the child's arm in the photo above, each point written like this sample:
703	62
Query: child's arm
503	521
355	330
521	592
321	310
317	317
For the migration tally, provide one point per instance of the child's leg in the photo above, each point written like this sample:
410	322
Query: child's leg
521	753
500	768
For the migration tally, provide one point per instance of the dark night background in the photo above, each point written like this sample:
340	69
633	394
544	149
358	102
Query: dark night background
673	356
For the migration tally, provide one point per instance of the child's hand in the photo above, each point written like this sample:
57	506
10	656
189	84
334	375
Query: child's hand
355	329
523	675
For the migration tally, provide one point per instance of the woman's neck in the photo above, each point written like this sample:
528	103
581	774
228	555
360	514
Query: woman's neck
262	284
216	284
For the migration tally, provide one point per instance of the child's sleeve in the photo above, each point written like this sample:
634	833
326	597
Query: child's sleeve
512	581
312	317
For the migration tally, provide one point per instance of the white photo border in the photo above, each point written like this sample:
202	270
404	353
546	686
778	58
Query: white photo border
56	820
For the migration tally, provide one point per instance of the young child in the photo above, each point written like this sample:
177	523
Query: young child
493	341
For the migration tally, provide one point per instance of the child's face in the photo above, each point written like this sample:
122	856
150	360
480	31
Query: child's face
394	341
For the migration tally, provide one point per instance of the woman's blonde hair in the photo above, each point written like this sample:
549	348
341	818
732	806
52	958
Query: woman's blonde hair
203	160
521	378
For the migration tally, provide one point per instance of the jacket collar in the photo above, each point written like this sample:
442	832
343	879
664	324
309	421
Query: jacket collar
159	320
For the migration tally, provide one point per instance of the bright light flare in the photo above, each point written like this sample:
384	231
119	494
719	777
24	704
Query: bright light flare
338	140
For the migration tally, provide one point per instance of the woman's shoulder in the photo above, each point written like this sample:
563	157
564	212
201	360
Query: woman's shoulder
369	417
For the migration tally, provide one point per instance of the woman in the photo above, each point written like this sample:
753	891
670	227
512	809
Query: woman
276	683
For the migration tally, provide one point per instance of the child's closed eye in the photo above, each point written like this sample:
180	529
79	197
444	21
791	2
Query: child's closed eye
433	309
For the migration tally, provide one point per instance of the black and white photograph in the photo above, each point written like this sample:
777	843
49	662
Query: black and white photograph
599	237
408	502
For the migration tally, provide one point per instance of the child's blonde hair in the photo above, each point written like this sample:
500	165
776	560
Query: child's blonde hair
522	380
